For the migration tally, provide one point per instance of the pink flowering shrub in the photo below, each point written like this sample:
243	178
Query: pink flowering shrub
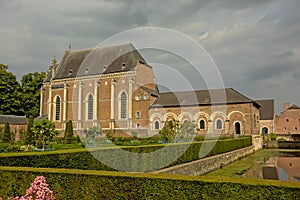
37	191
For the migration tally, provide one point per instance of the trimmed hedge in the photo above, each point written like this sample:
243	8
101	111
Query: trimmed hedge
90	185
138	159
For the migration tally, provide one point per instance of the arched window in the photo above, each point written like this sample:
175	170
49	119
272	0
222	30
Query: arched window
90	107
202	124
156	125
265	130
57	108
123	107
219	124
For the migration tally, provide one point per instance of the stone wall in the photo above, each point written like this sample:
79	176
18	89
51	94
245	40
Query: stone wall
203	166
257	142
288	145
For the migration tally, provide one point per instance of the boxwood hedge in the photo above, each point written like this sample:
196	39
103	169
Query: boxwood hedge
89	185
139	160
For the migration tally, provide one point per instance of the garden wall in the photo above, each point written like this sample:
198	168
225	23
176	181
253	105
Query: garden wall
288	144
94	185
205	165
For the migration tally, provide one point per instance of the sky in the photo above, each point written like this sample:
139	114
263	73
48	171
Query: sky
255	44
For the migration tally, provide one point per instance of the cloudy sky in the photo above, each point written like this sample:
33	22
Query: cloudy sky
254	43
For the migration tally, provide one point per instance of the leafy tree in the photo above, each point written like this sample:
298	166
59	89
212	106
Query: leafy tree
186	132
6	136
168	132
69	134
91	133
10	93
31	84
43	130
109	135
29	137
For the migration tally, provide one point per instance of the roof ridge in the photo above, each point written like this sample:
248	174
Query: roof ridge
100	47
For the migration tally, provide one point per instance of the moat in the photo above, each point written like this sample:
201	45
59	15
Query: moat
283	165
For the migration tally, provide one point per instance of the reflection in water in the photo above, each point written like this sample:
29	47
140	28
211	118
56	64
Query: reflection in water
277	168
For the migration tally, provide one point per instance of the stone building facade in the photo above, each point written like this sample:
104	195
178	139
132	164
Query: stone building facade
16	124
238	115
114	88
288	122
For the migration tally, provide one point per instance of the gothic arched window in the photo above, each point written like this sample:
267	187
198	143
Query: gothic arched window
57	108
123	105
90	107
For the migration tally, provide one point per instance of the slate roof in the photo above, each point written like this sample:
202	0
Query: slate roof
102	60
150	91
293	107
267	109
12	119
201	97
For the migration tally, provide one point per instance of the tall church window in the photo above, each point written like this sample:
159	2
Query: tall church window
57	108
123	107
90	107
202	124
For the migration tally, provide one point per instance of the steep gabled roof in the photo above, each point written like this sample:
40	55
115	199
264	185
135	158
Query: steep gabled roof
267	109
293	107
12	119
102	60
201	97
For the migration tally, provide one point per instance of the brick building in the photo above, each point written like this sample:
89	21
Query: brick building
288	122
16	123
113	87
267	116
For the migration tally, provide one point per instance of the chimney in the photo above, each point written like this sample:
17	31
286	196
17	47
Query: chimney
286	106
53	67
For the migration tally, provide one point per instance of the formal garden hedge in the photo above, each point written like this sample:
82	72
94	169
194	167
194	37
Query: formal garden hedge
89	185
138	159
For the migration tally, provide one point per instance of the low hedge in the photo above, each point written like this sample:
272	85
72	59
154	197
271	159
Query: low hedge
89	185
139	159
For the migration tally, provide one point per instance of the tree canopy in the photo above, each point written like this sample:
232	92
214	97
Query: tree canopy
43	130
10	93
31	84
20	99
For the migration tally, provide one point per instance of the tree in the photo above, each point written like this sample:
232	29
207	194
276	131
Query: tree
29	137
168	132
31	84
10	93
91	133
69	134
186	132
43	130
6	136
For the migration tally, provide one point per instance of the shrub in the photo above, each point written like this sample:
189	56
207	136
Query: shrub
137	161
80	184
69	134
6	135
29	136
272	136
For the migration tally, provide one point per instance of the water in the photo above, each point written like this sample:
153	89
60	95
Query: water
284	166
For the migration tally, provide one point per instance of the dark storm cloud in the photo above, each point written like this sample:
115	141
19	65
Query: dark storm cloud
255	43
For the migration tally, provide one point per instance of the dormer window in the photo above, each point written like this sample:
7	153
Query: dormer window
146	97
87	70
70	72
138	97
123	66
